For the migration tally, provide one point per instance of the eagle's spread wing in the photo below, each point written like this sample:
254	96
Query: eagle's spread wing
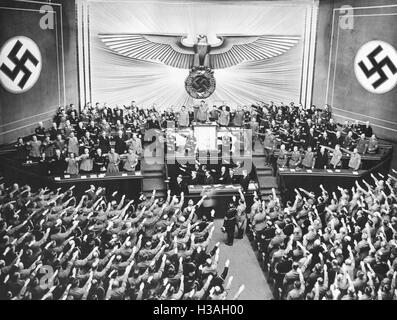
166	48
235	49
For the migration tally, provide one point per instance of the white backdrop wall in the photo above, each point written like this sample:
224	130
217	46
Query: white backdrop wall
117	79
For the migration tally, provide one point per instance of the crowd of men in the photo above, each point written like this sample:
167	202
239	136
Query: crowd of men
297	138
55	246
320	247
339	246
104	139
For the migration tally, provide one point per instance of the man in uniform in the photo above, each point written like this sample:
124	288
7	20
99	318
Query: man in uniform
355	159
241	218
40	131
336	160
229	223
321	158
224	117
183	118
238	119
282	158
362	144
308	159
373	145
269	145
202	112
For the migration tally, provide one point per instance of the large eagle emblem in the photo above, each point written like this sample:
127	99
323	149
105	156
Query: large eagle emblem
201	57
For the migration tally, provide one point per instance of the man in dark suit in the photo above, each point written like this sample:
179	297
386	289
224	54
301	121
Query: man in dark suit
58	164
153	123
120	144
245	181
367	129
208	179
325	140
229	223
40	131
104	142
224	176
321	159
180	186
195	178
232	179
311	139
337	139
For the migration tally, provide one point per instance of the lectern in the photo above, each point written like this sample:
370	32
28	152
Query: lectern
206	136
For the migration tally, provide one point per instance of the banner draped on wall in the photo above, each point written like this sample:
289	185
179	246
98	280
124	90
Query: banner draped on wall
117	79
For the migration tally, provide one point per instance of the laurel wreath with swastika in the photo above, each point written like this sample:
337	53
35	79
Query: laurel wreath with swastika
200	83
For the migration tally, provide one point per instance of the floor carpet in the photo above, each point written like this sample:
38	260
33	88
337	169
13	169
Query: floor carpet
244	266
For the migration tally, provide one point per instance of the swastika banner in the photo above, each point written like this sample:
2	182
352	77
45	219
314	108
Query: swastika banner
362	75
31	70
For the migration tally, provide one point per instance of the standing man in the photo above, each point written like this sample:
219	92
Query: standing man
229	223
269	145
214	113
239	116
245	181
224	117
120	144
362	144
58	164
183	118
40	131
254	126
202	112
208	178
308	159
35	146
241	217
135	144
336	160
195	178
223	176
180	185
355	159
373	145
282	158
321	158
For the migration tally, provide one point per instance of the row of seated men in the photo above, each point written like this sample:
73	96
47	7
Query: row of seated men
57	246
205	174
